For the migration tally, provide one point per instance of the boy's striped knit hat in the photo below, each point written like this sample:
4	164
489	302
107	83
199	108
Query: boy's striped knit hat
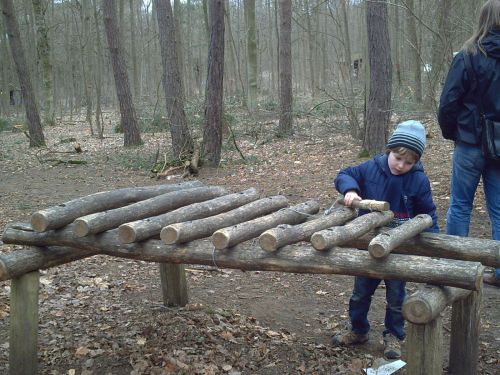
409	134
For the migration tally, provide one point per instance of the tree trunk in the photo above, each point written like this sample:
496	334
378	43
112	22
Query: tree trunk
43	52
182	143
212	133
37	138
132	136
414	51
312	47
133	52
285	128
251	54
99	64
379	55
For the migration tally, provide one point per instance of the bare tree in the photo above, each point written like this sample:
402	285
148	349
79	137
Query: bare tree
251	54
182	143
414	51
212	133
36	136
379	56
285	127
132	136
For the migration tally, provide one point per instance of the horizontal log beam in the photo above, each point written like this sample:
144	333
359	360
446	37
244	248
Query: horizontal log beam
102	221
295	258
230	236
63	214
428	302
282	235
142	229
193	230
441	245
385	242
338	236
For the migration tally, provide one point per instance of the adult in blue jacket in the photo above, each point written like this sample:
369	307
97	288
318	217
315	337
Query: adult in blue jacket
398	178
459	119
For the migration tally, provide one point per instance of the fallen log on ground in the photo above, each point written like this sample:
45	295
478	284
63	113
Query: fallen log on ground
428	302
337	236
294	258
58	216
230	236
142	229
385	242
273	239
193	230
102	221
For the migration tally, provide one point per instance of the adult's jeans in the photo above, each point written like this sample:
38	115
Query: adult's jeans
360	301
468	166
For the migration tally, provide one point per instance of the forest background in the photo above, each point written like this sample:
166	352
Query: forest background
275	94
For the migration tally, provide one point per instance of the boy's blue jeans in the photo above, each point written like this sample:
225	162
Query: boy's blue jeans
468	165
361	299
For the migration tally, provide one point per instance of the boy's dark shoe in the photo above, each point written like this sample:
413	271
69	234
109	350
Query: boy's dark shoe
347	337
392	347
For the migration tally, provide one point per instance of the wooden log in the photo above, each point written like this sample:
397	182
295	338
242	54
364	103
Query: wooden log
19	262
337	236
173	284
293	258
465	330
441	245
63	214
23	340
429	301
230	236
142	229
385	242
424	348
102	221
368	204
193	230
273	239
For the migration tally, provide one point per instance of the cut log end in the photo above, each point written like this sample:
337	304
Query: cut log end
268	242
417	311
319	242
126	234
377	250
220	240
39	222
169	235
80	228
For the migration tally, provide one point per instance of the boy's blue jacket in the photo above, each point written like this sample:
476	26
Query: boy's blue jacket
409	194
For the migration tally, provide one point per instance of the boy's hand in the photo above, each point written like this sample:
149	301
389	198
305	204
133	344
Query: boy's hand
350	196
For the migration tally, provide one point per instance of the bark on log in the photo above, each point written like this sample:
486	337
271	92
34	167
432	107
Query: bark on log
368	204
102	221
428	302
142	229
230	236
19	262
385	242
294	258
441	245
63	214
193	230
337	236
273	239
424	348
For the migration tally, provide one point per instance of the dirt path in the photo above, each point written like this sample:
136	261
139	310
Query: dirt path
104	316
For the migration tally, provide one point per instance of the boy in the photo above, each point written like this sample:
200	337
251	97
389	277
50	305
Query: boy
396	177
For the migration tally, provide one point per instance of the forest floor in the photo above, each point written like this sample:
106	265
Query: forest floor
104	315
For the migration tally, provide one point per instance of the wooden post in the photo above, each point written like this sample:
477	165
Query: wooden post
173	284
24	324
464	339
424	348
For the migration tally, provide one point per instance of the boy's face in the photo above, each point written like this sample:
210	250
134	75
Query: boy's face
400	164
